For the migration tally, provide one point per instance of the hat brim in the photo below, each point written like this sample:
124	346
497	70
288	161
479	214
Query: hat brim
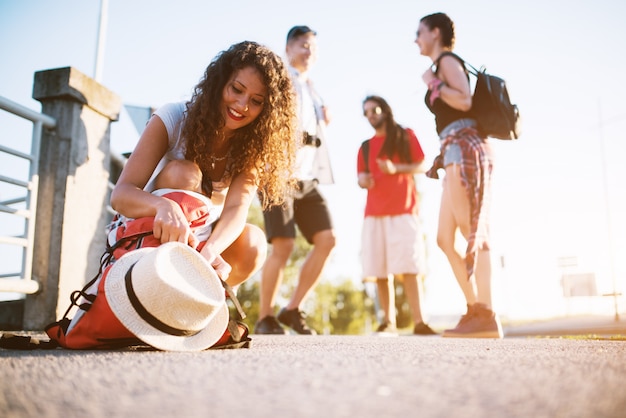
115	291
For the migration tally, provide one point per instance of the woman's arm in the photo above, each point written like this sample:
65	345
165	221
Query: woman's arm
129	198
455	90
234	215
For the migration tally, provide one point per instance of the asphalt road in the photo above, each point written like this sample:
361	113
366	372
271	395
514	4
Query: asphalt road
325	376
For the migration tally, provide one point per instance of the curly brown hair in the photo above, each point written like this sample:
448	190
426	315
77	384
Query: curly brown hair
266	145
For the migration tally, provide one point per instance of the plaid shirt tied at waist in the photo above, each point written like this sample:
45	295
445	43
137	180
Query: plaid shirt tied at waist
475	169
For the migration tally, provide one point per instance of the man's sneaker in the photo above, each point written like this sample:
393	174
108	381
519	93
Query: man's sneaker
269	325
479	322
386	329
294	319
423	329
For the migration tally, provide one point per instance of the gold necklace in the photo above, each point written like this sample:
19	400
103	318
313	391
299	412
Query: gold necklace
216	159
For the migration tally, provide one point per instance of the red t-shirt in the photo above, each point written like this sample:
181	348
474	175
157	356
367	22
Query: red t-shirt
392	194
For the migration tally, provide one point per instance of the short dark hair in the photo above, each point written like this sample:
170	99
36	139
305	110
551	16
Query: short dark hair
299	31
445	25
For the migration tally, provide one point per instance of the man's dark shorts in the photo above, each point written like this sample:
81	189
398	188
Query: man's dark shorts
307	210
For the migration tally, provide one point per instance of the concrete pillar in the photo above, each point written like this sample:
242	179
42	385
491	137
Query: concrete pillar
74	167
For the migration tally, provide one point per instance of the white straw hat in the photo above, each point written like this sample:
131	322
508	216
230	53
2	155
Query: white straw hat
169	297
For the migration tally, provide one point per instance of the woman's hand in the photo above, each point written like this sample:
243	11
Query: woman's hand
170	224
428	76
222	268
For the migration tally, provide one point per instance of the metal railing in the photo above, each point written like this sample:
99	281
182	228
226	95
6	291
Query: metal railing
25	206
28	202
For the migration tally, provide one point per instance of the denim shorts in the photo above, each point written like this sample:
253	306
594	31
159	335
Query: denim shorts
452	155
452	152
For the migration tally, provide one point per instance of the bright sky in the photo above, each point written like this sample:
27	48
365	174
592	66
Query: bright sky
562	61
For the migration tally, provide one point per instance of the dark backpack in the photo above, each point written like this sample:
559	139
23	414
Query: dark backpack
492	109
497	117
365	151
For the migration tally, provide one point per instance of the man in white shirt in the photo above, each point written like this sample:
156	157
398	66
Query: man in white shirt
307	210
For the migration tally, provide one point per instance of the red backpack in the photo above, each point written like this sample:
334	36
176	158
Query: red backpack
94	325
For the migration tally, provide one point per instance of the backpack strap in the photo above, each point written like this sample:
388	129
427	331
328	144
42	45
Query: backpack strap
25	342
469	68
449	53
445	54
236	333
472	70
365	151
230	293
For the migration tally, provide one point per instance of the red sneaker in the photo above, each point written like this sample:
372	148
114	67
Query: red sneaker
478	322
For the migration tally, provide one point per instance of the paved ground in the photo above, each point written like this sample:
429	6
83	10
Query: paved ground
600	325
325	376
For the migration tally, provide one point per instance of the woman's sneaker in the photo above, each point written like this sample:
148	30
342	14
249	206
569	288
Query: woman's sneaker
479	322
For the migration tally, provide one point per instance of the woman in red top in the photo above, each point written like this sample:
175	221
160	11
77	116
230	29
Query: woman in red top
392	243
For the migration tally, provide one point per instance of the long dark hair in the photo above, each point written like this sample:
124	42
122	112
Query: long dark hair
396	141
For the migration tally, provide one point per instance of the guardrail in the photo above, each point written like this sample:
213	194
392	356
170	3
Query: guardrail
24	206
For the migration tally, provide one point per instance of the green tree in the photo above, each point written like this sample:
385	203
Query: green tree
403	311
340	307
337	306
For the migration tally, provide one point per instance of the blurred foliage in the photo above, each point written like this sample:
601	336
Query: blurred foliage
338	307
341	308
403	311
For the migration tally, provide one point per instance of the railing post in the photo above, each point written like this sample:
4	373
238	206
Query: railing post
73	177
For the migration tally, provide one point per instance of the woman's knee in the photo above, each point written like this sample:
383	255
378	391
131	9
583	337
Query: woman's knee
257	247
445	243
249	251
180	174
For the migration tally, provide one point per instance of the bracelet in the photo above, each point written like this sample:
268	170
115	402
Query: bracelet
435	84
